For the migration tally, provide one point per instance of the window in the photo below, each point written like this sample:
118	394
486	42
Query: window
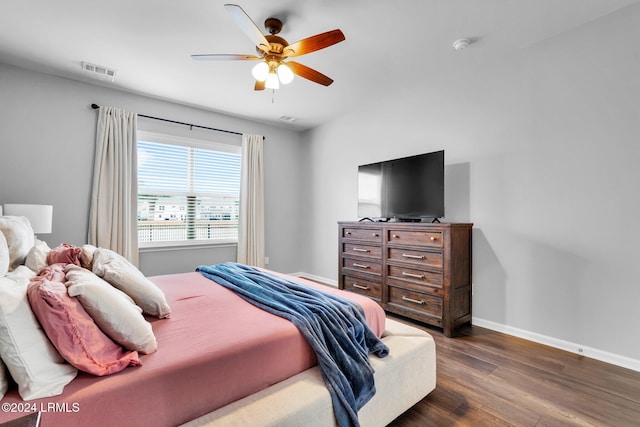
188	191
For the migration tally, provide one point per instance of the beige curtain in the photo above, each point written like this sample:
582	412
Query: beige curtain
112	215
251	224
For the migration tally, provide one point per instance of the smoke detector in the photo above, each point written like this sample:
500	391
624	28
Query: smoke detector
461	44
99	72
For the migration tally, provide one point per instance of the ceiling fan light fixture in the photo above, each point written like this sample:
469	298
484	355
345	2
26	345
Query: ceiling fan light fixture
260	71
272	81
285	74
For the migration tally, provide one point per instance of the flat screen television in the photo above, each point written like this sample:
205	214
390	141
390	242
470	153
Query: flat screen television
404	189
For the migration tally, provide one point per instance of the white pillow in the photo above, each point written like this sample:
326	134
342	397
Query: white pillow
117	270
35	365
4	255
112	310
19	234
36	258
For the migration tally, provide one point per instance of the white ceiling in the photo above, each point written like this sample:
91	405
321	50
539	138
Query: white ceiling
149	43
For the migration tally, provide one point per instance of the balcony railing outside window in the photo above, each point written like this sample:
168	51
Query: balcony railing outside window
173	231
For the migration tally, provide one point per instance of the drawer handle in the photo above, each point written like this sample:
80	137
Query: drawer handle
434	238
413	256
361	250
355	264
415	301
355	285
348	233
395	236
375	234
417	276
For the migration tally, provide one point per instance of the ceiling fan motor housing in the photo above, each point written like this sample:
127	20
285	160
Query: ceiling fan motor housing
276	44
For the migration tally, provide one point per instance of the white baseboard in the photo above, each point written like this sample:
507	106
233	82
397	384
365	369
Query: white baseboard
315	278
593	353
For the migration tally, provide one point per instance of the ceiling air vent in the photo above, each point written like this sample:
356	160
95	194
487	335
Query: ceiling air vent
288	119
99	72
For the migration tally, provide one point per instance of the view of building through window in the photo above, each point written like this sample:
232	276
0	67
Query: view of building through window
187	193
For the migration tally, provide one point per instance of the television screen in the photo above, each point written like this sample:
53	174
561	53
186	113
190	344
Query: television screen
409	188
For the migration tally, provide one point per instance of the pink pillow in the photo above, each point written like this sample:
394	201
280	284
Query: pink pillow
72	331
53	273
65	254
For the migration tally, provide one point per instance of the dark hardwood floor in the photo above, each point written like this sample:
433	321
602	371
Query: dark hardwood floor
486	378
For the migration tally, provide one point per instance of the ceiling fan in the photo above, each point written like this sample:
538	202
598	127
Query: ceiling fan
274	51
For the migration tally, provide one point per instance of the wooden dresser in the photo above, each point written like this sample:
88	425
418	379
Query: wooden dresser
418	270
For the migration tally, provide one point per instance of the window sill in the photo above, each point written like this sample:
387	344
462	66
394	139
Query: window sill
180	246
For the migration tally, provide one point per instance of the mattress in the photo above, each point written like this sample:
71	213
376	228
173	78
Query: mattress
214	350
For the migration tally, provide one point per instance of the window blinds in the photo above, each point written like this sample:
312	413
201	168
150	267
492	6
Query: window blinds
187	193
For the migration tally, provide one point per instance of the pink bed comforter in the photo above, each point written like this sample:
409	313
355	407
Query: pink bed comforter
215	349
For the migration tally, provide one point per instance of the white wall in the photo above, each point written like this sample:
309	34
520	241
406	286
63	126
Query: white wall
47	137
541	154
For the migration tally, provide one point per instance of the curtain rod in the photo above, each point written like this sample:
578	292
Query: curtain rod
96	106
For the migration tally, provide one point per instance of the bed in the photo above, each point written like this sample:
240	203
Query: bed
220	361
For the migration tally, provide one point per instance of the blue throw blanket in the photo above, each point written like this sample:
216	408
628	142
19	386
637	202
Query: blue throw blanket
335	328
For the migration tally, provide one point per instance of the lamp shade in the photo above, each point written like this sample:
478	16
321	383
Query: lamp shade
40	216
284	74
260	71
272	81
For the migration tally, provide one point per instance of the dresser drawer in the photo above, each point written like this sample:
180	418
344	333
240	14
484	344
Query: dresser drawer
420	277
415	301
362	250
430	238
368	267
368	234
415	257
369	288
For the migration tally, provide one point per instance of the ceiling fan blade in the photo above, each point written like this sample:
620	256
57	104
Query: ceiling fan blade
313	43
309	73
224	57
259	85
248	26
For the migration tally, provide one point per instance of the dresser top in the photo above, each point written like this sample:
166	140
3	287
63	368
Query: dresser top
406	224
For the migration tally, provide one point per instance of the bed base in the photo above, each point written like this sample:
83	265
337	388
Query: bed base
402	379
